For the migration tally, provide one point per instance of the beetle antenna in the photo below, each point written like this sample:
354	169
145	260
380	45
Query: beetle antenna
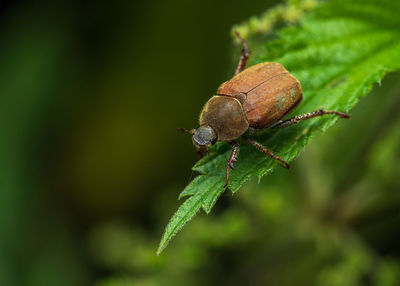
191	132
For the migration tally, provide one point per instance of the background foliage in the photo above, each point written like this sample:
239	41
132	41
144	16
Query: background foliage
91	164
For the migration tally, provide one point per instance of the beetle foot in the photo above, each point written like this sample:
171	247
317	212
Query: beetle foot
284	163
338	113
232	159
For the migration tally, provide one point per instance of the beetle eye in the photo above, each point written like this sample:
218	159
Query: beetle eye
204	135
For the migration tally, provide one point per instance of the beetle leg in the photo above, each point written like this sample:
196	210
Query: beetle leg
206	150
232	159
320	112
267	152
200	152
244	56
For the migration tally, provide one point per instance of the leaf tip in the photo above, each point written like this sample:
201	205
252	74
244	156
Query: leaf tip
159	250
163	244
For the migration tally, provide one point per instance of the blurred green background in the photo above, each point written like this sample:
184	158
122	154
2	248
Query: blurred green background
91	94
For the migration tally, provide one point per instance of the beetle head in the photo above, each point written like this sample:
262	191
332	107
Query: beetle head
204	136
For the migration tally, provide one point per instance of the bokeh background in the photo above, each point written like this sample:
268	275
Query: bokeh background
91	164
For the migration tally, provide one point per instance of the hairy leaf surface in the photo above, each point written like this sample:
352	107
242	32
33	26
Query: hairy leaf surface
338	51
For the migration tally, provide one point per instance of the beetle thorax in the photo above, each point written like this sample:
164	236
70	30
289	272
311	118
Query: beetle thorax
226	116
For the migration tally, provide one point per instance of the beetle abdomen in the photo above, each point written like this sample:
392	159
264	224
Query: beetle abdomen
271	100
226	116
251	78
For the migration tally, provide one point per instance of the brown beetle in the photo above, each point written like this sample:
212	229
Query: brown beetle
255	98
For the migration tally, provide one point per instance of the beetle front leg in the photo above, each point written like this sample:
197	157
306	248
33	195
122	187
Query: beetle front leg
244	56
201	151
267	152
320	112
232	159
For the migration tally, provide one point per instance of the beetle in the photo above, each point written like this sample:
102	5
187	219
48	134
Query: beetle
255	98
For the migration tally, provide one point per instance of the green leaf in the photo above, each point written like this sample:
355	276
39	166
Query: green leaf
204	191
338	51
